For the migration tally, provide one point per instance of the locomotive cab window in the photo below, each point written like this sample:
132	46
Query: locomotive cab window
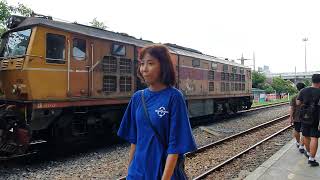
55	49
15	44
79	49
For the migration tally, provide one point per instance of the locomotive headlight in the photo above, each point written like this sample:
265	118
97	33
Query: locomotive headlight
19	89
14	89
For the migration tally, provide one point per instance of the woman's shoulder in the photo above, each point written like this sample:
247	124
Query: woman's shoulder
136	94
176	93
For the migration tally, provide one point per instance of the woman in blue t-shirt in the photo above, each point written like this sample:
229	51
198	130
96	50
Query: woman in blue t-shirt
160	135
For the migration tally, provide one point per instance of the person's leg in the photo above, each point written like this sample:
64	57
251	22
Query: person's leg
313	146
301	140
313	150
306	138
306	141
297	137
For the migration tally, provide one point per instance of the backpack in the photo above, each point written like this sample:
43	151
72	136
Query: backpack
307	113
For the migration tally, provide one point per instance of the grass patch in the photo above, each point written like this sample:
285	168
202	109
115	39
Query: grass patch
256	104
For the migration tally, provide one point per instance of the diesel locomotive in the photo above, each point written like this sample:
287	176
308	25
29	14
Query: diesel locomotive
66	82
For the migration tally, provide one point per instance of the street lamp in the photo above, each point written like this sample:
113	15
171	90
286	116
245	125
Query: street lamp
305	53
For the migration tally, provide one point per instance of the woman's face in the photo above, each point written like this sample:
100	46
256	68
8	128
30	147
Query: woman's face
150	69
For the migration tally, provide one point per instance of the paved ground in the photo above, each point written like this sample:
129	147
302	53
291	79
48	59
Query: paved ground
287	163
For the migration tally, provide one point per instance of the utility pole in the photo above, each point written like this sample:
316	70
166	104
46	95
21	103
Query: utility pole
254	62
295	75
242	59
305	53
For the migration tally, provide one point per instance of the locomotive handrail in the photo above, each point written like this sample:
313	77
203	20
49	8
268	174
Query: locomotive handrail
68	87
20	56
12	57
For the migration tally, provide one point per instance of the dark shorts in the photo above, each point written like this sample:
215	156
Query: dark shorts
310	130
297	126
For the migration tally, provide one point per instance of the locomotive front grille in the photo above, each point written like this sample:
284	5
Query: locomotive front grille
19	64
4	64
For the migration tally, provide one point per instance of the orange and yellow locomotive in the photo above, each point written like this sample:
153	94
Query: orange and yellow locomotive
67	82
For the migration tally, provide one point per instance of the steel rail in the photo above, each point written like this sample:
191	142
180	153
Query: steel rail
201	149
219	166
263	107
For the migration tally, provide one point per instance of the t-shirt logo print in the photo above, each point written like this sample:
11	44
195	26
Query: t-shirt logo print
161	111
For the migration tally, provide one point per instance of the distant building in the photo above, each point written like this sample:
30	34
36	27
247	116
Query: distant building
265	69
259	95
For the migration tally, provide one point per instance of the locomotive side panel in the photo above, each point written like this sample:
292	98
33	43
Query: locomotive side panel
193	76
47	66
113	69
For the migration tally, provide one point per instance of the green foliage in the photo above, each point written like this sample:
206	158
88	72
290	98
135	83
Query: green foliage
23	10
98	24
278	84
283	86
258	80
307	82
268	88
7	10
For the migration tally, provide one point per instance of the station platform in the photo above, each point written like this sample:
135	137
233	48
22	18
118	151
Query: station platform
287	163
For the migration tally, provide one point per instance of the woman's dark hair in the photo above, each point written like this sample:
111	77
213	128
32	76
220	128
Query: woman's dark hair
315	78
162	54
300	86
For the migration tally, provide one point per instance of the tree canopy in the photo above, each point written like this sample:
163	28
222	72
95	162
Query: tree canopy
258	80
7	10
278	85
98	24
283	86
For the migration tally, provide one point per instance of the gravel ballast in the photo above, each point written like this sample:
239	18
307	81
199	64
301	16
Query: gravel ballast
211	157
111	162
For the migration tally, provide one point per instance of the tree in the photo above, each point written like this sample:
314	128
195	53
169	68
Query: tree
307	82
7	10
268	88
98	24
258	80
283	86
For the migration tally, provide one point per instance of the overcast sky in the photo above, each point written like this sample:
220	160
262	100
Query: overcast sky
273	29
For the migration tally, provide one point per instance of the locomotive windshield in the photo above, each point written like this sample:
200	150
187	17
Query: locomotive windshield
15	44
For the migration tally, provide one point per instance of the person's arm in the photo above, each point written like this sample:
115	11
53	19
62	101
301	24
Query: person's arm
300	97
169	167
131	153
298	102
291	114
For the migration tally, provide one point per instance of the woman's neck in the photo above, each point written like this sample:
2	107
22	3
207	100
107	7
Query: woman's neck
157	86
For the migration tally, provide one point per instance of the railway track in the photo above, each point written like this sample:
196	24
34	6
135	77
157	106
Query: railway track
238	134
212	157
105	159
35	145
264	107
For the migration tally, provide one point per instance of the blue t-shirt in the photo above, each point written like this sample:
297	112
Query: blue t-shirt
169	116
